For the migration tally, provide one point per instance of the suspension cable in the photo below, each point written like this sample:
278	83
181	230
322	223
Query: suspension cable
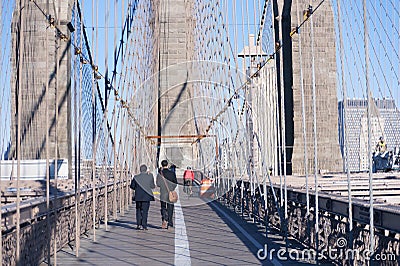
256	73
314	107
346	139
303	115
369	155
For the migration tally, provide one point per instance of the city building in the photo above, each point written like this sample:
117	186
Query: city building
385	117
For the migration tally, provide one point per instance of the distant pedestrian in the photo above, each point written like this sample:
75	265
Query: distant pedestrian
188	179
166	180
381	146
143	184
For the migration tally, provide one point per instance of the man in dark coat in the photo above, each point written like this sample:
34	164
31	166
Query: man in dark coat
166	178
143	184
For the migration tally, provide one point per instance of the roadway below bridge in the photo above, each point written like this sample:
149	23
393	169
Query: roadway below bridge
386	186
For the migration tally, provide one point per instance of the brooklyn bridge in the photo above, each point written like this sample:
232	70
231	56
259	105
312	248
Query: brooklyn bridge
285	112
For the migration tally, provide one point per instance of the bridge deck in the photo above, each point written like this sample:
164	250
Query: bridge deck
203	234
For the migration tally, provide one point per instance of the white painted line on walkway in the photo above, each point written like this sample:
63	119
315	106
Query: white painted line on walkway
244	232
182	252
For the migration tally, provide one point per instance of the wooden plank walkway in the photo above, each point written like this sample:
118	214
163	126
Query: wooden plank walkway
203	234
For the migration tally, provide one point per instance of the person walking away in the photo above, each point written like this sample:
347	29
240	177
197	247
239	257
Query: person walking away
173	168
188	179
143	184
166	178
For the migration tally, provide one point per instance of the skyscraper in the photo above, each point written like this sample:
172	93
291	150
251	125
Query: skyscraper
385	118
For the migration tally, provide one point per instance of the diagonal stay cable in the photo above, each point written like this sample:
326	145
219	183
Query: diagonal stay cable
84	59
278	47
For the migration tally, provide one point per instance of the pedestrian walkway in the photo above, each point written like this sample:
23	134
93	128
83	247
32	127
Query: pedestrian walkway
203	234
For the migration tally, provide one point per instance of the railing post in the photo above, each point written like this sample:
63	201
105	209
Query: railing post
241	198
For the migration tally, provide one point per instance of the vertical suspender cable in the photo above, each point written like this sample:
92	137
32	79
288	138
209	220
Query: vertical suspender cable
131	132
121	158
369	155
346	139
94	129
56	139
75	142
98	127
235	37
243	34
249	120
127	149
244	80
121	155
303	113
114	117
126	152
19	109
269	101
278	125
129	160
236	70
122	184
282	89
123	172
80	130
274	119
255	150
314	106
106	87
1	134
47	95
283	123
249	114
259	100
278	122
276	42
123	131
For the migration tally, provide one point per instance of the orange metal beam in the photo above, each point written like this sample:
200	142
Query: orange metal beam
178	142
179	136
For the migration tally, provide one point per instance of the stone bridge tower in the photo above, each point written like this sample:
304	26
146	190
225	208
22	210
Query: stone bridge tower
329	157
30	73
176	48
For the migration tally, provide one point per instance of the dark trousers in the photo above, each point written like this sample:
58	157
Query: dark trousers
167	210
142	212
188	183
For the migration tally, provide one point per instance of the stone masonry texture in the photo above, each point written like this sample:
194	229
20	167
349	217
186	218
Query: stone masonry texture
329	157
176	49
32	76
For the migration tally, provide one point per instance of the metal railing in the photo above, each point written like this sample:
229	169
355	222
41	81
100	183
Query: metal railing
332	222
35	234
